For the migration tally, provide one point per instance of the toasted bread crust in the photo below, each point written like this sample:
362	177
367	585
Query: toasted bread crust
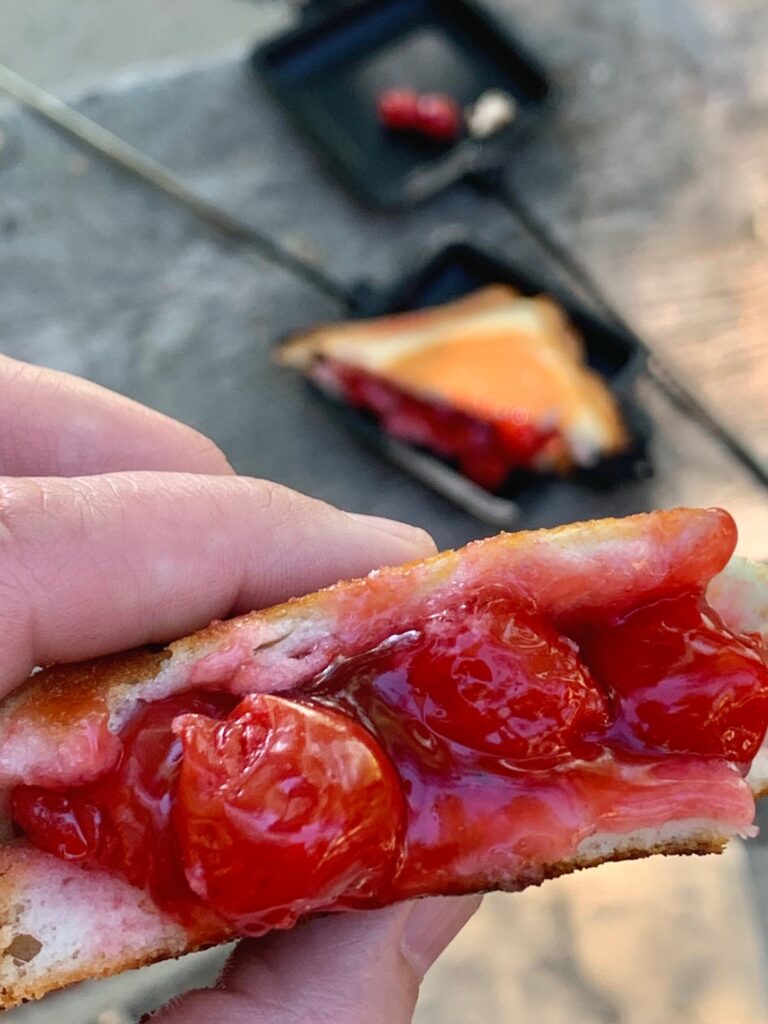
564	569
302	348
21	982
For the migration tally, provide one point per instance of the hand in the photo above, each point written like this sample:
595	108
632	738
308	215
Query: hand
120	527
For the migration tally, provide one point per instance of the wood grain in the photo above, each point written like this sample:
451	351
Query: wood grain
664	136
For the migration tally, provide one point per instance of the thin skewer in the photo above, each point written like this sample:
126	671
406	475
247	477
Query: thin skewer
121	153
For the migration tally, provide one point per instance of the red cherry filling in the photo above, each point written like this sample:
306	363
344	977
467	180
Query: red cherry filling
122	819
284	808
486	452
67	826
431	763
685	682
491	681
516	690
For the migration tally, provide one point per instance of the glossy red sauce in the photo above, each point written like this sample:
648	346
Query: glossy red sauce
122	820
683	683
485	451
484	741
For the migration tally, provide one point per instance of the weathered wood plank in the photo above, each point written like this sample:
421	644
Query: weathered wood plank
662	941
663	142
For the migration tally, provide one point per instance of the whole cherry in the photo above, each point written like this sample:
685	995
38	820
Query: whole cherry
439	117
399	109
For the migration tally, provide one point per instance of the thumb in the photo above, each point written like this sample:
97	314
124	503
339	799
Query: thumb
354	968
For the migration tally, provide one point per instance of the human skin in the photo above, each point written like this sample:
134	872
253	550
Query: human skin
120	527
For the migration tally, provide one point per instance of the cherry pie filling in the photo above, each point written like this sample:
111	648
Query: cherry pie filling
485	451
484	742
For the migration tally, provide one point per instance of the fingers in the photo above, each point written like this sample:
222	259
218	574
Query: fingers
53	424
360	968
100	564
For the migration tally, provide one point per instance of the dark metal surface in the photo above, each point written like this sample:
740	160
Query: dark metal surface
329	69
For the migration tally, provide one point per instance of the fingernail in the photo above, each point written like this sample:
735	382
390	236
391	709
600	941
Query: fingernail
403	531
432	925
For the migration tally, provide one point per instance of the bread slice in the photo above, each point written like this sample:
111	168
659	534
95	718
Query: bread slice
61	924
492	354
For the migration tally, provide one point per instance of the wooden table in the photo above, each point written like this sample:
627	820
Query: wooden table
653	170
657	176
